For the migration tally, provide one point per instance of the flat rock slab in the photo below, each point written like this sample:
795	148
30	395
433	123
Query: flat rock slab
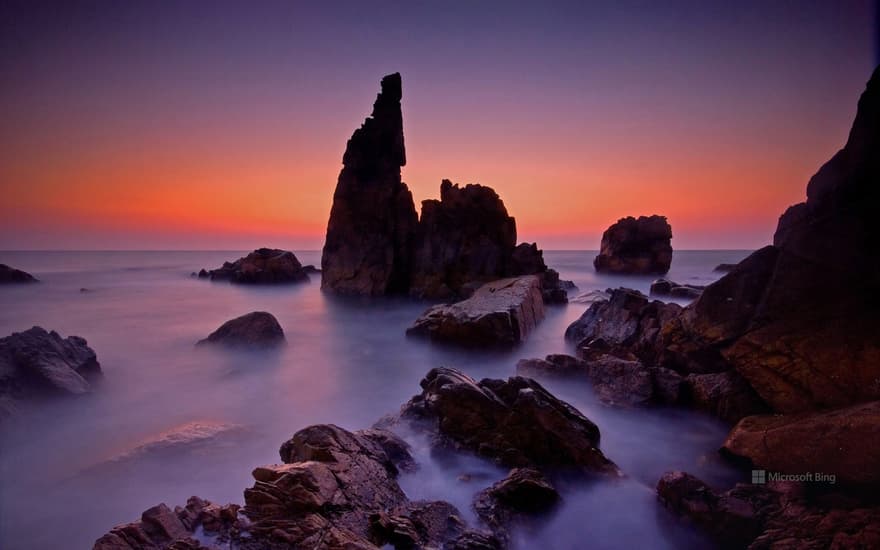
502	312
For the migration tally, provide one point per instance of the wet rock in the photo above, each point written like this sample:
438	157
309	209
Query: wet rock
514	422
311	270
620	382
725	394
768	516
668	385
255	330
665	287
10	275
522	497
500	313
841	442
372	228
262	266
37	363
636	246
554	366
190	437
628	320
724	268
592	296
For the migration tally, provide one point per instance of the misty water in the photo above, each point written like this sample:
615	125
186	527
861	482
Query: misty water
69	472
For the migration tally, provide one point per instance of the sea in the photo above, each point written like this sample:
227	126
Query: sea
169	420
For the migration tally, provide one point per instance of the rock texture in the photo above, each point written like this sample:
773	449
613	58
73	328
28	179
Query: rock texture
255	330
515	422
521	498
777	516
262	266
37	363
636	246
500	313
10	275
335	489
665	287
371	232
842	442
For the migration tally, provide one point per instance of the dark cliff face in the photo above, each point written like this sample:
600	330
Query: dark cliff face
371	232
807	337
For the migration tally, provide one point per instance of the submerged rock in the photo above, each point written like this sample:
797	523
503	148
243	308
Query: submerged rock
262	266
515	422
37	363
636	246
255	330
498	313
10	275
372	227
724	268
842	443
521	498
189	437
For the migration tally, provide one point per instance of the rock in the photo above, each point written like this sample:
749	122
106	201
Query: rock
725	394
254	330
724	268
627	320
620	382
35	363
465	237
311	270
554	366
841	442
665	287
636	246
190	437
204	274
262	266
768	516
592	296
371	232
9	275
520	498
516	422
667	385
500	313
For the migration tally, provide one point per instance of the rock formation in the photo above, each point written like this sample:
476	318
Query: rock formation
665	287
262	266
523	497
636	246
9	275
37	363
371	232
255	330
515	422
500	313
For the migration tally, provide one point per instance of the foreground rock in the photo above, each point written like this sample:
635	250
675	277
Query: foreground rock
255	330
769	516
37	363
515	422
523	497
843	443
636	247
335	489
10	275
665	287
371	232
500	313
262	266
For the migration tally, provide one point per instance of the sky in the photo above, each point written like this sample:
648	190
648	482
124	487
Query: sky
221	125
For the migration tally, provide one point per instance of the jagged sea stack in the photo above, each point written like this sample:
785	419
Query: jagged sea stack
372	227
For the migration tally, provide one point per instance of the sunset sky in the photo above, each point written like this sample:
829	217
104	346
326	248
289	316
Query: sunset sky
221	125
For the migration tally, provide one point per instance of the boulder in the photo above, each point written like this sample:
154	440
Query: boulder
500	313
35	363
515	422
253	330
665	287
522	497
372	228
636	246
724	394
765	516
10	275
262	266
724	268
841	442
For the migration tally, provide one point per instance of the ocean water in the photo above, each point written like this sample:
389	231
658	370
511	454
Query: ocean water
71	469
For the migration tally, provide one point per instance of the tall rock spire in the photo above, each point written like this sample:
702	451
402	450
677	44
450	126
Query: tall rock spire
372	227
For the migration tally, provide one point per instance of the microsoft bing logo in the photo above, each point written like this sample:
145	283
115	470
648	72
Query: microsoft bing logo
759	477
